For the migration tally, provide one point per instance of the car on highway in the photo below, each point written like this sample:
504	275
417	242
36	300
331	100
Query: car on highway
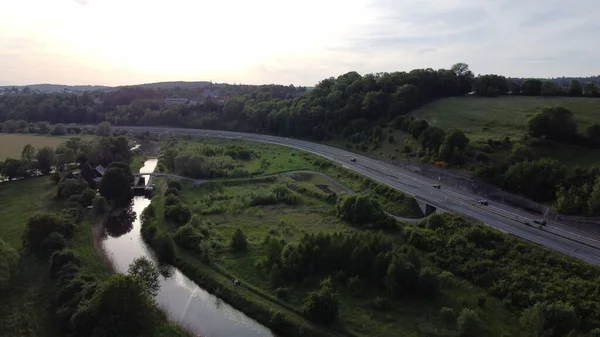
353	160
540	222
484	202
438	186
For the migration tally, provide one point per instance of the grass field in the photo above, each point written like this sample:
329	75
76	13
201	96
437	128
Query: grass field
270	159
483	118
409	316
12	144
492	118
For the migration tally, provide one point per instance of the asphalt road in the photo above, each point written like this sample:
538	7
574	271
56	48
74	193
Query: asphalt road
556	236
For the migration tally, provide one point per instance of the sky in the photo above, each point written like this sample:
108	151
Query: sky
119	42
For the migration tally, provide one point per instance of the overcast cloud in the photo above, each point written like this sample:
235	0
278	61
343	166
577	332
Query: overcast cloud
116	42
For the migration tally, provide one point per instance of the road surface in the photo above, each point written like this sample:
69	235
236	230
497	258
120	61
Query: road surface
556	236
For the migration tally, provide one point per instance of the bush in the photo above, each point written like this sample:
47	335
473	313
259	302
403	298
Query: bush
278	321
100	204
39	227
282	293
171	200
382	304
87	196
178	213
175	184
165	248
355	286
188	237
447	316
468	323
60	259
322	306
238	240
52	243
429	285
172	191
55	177
481	301
70	187
120	307
9	259
435	221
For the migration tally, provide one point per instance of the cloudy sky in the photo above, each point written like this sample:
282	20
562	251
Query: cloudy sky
115	42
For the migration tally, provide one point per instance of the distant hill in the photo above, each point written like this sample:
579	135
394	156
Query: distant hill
562	81
60	87
57	87
162	85
171	85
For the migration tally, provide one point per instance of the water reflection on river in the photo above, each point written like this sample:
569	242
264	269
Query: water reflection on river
184	302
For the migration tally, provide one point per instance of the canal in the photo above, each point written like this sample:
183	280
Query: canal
184	302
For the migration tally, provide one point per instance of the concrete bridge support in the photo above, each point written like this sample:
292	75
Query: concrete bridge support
426	208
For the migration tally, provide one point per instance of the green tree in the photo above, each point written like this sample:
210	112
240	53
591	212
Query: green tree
548	88
28	154
64	156
61	258
238	240
468	323
593	134
531	87
147	272
100	204
432	138
575	88
536	179
120	307
70	187
45	159
40	225
465	77
13	168
115	185
520	153
178	213
322	306
58	130
275	278
556	123
104	129
590	89
9	259
456	139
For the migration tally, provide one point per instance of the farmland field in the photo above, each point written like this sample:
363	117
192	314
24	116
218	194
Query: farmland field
11	144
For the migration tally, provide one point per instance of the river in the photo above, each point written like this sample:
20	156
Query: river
184	302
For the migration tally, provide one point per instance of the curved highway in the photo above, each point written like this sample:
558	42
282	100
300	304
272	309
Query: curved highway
554	235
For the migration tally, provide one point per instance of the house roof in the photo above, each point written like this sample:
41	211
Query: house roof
100	169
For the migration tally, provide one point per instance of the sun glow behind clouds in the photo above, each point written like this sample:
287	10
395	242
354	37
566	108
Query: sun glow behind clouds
178	39
266	41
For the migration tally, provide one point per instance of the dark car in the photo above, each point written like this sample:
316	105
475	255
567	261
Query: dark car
438	186
484	202
353	160
540	222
